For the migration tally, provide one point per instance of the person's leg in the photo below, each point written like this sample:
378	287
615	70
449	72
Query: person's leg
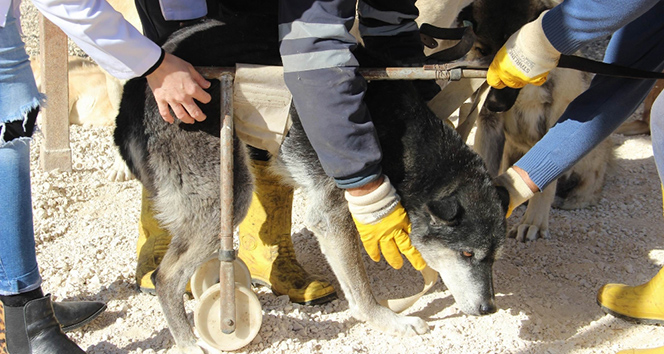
388	27
18	262
28	323
643	303
265	240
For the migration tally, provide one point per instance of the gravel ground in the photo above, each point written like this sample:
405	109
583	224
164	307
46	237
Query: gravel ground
86	230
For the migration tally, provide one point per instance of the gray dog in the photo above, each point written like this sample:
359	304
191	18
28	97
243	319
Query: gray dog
457	215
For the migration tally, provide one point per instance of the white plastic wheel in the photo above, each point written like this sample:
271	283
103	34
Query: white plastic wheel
208	274
248	318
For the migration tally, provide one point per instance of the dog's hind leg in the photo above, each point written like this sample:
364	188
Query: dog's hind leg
170	279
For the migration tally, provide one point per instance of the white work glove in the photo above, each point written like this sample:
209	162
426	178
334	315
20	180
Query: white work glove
516	187
526	58
384	226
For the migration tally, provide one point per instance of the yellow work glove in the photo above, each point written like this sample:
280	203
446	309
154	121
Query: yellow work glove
526	58
516	187
384	226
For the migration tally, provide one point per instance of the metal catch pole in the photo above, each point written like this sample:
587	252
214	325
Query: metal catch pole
450	72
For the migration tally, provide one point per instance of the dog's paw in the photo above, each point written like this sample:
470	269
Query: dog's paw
399	325
528	232
119	171
535	222
414	325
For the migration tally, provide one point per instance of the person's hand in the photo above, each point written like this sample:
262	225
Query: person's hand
517	188
177	84
384	226
526	58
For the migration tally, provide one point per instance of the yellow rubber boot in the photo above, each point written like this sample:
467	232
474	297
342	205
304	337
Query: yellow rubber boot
266	246
659	350
151	246
641	304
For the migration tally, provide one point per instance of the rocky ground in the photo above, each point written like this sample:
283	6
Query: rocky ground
86	231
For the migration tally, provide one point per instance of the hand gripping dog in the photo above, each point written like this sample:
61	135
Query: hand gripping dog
382	222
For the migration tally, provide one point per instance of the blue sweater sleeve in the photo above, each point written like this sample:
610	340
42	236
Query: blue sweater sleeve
608	102
575	23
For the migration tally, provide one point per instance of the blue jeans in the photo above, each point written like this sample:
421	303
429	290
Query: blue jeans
18	95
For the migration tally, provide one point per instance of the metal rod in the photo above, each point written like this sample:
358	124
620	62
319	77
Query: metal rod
226	254
428	72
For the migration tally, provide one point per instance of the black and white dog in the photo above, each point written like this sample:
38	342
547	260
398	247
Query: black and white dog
457	215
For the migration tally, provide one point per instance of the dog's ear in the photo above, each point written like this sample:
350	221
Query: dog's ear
504	196
501	100
446	211
466	14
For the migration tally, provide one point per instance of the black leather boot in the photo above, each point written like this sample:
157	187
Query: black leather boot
33	329
75	314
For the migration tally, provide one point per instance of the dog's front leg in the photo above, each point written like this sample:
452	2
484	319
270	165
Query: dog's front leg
535	223
342	250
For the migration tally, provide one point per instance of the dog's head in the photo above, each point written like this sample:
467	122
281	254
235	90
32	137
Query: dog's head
459	231
457	214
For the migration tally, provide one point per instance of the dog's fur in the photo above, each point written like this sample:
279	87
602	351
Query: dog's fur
91	103
505	136
447	191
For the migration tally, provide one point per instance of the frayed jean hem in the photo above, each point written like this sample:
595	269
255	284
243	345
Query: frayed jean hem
21	115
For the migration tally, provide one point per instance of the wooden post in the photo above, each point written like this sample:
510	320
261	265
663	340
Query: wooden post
55	151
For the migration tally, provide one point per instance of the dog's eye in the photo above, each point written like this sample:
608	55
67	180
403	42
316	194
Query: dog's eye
467	254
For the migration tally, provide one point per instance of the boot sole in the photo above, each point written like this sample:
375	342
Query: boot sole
646	321
85	321
319	301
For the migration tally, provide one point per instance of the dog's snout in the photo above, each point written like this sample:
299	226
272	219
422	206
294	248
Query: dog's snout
487	308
